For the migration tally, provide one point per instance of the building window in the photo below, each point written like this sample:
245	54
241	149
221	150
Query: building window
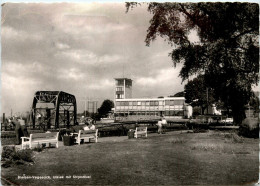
134	103
119	89
147	103
179	102
139	103
130	103
167	102
154	103
143	103
160	103
120	82
171	102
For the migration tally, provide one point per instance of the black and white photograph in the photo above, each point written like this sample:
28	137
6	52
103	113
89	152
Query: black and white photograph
129	93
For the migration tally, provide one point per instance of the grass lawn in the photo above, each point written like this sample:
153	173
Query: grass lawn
172	159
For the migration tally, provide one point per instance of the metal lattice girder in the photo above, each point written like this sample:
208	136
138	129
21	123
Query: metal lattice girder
63	102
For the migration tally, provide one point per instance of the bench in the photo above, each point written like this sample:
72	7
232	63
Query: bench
86	135
140	131
40	138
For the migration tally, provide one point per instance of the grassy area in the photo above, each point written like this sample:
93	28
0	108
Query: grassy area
172	158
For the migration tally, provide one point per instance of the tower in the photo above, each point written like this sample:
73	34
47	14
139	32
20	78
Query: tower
123	88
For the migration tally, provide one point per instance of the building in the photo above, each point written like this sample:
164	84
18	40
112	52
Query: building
127	107
123	88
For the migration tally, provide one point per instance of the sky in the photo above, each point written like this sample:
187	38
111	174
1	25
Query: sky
80	49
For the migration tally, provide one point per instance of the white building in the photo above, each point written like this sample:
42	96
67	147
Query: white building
146	108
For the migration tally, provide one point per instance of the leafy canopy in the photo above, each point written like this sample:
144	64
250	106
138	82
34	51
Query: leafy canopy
226	51
197	94
105	108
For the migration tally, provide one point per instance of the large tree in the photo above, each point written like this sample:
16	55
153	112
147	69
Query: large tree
198	94
105	108
227	49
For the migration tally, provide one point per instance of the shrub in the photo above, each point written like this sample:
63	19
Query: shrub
39	148
249	128
8	151
11	156
25	155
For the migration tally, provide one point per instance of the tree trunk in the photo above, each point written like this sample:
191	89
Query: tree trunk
238	113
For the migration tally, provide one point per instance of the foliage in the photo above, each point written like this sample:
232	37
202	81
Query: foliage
197	94
86	113
95	116
179	94
249	128
254	102
105	108
11	156
38	148
226	49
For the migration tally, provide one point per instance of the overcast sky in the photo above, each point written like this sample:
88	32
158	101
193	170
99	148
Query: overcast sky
80	49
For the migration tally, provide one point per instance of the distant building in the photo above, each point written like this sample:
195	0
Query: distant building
123	88
146	108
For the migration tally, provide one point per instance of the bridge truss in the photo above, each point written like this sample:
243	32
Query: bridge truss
60	112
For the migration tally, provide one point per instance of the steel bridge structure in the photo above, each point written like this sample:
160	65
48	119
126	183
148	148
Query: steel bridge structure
61	111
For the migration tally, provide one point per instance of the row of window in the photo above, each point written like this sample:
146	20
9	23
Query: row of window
119	88
139	103
174	113
119	96
121	82
149	103
166	113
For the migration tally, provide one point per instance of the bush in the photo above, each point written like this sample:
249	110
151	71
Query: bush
11	156
8	151
25	155
39	148
249	128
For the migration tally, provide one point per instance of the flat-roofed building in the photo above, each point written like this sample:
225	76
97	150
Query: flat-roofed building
147	108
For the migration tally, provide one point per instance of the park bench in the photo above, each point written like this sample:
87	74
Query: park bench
140	131
40	138
86	135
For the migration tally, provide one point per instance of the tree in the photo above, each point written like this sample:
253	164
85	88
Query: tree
86	113
197	94
179	94
227	49
105	108
254	102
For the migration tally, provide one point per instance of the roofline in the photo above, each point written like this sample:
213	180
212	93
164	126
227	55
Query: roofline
152	99
123	78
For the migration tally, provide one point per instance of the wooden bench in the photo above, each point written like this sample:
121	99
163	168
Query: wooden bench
40	138
86	135
140	131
